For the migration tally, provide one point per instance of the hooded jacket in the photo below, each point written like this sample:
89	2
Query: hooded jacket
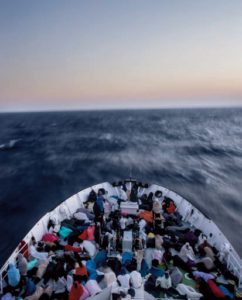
22	264
13	275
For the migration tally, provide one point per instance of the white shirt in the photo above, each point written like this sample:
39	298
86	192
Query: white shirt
60	285
122	223
36	254
89	247
124	280
69	282
164	282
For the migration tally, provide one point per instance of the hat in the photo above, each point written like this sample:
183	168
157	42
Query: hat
151	235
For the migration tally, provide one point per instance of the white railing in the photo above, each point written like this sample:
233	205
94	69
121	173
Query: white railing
70	205
234	264
196	219
213	233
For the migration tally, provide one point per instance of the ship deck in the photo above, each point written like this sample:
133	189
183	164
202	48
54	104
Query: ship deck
163	244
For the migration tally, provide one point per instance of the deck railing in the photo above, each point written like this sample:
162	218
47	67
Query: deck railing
234	263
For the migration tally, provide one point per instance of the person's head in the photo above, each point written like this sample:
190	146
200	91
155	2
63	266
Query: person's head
150	195
122	294
101	192
123	271
144	197
158	194
33	240
40	246
155	263
167	274
131	292
197	232
44	296
47	248
23	280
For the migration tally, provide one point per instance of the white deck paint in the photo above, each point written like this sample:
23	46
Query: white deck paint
185	208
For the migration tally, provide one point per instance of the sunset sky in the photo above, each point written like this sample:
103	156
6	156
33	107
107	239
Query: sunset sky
57	54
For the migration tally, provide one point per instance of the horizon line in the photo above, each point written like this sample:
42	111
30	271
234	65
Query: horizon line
189	107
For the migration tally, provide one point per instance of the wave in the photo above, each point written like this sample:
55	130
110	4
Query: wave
211	150
12	144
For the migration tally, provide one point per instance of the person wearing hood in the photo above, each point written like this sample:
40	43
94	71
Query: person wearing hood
36	254
8	296
186	253
13	275
22	264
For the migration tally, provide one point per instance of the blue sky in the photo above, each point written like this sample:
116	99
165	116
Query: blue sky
117	54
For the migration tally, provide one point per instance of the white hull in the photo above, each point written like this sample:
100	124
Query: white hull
185	208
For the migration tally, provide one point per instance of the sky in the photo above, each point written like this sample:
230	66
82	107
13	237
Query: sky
95	54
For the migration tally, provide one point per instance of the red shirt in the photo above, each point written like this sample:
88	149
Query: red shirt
76	291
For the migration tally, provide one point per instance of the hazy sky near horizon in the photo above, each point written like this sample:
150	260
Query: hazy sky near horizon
122	53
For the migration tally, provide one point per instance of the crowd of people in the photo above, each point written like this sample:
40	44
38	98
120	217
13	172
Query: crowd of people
86	254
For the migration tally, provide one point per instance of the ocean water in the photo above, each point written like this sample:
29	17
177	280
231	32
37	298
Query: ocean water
47	157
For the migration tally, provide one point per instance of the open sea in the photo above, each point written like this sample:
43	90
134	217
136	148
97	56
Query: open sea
47	157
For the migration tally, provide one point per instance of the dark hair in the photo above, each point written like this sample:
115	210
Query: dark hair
101	191
158	194
155	263
44	297
131	292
